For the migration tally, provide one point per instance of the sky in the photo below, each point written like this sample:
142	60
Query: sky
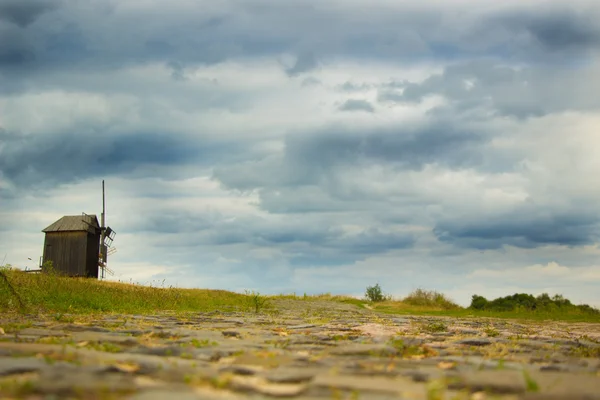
310	146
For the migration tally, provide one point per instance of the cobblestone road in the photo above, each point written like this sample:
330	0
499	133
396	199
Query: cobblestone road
300	350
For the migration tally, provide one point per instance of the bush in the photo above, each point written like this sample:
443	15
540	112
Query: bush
527	302
374	293
430	298
478	302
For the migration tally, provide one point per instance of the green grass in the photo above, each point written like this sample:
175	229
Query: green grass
395	307
63	297
54	294
430	302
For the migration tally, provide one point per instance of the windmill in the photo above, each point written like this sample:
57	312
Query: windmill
107	235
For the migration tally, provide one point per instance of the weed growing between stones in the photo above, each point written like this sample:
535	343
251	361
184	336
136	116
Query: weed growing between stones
586	351
256	301
203	343
490	331
435	327
411	351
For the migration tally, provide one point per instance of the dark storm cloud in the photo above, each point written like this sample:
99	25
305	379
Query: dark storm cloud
104	35
559	29
357	105
525	228
48	160
24	12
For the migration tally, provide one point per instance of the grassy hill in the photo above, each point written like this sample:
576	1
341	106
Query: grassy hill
27	293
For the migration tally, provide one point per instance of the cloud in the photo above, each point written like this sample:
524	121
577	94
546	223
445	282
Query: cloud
541	275
305	62
302	240
522	228
48	160
524	92
313	157
559	29
96	35
357	105
24	13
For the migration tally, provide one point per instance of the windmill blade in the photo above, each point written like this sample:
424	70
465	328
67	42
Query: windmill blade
112	250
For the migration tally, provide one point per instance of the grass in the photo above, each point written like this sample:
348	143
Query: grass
435	327
559	315
59	295
63	297
427	302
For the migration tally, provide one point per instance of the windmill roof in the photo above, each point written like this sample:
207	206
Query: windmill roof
73	223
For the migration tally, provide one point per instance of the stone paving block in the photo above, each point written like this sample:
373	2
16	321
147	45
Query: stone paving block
490	381
10	365
363	350
560	383
329	385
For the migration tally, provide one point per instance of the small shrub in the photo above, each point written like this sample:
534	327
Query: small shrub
430	298
375	294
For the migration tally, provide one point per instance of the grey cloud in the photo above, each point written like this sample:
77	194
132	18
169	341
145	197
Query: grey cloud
305	62
314	158
559	29
310	81
321	241
527	92
354	87
525	227
98	35
24	13
393	96
178	71
15	50
49	160
313	174
404	147
172	221
357	105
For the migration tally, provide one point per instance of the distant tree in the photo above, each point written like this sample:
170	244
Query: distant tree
478	302
374	293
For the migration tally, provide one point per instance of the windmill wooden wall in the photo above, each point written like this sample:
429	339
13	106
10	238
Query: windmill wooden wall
72	244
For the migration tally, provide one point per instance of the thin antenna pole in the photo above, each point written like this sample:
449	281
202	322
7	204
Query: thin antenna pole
102	229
